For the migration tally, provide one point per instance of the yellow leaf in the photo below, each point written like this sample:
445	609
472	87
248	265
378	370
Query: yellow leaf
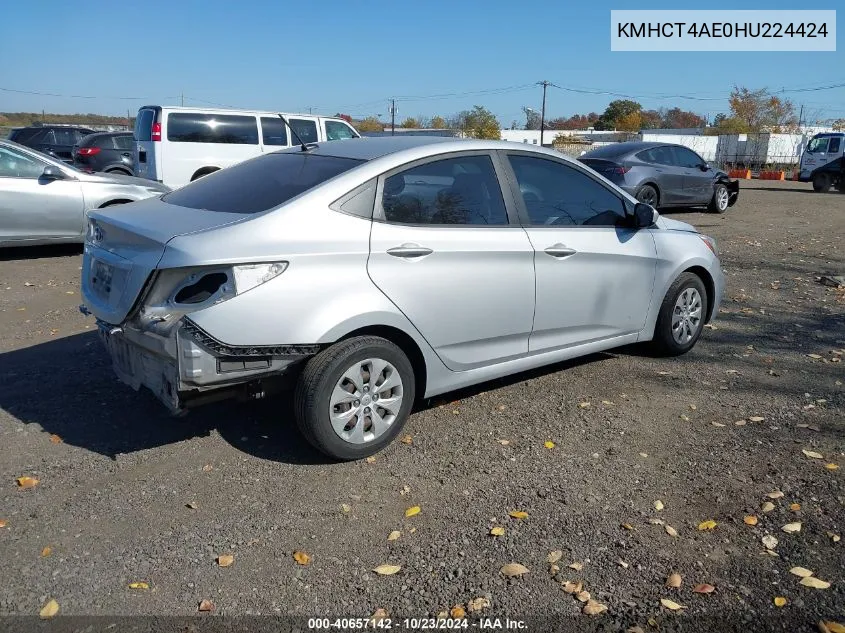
795	507
674	580
554	556
627	526
225	560
767	506
832	466
750	520
669	604
815	583
458	612
55	439
3	523
395	534
49	610
769	541
514	569
792	528
301	558
780	601
707	525
833	537
756	418
504	442
139	585
583	596
812	454
379	615
407	439
205	605
371	459
478	604
593	608
583	405
703	588
549	444
670	530
776	494
345	508
800	572
46	551
518	514
497	531
387	570
828	626
413	510
572	587
577	566
27	482
658	505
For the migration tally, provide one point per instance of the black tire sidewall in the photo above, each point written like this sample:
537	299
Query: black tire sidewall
663	329
318	380
821	183
651	188
714	204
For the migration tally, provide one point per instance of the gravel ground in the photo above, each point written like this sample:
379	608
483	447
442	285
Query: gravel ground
709	435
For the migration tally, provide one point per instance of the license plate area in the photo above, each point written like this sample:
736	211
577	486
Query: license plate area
102	275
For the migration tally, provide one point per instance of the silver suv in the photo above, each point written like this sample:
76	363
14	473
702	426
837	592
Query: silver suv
380	270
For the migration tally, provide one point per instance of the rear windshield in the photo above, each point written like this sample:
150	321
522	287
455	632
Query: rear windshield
261	183
25	134
144	125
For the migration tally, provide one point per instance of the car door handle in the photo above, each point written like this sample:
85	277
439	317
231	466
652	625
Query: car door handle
560	251
409	250
127	154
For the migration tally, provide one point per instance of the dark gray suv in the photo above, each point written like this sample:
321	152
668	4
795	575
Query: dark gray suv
664	175
105	151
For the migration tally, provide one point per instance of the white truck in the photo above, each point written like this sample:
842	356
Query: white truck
822	163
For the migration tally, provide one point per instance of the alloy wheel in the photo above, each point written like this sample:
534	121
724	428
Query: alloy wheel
686	316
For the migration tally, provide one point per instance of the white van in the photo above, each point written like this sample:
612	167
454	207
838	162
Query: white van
175	145
823	162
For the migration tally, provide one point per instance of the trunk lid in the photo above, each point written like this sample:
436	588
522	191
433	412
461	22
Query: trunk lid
124	245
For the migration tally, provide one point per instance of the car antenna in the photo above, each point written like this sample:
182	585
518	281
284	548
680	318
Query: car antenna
302	145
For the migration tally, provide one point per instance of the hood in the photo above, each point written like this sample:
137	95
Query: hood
674	225
121	179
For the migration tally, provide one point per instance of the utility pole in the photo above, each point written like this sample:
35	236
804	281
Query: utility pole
392	117
545	85
183	99
801	116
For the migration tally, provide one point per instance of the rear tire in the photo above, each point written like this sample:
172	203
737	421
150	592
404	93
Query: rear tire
681	317
354	426
821	183
648	195
122	172
203	172
720	200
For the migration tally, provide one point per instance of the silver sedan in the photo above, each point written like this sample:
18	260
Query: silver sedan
43	200
377	271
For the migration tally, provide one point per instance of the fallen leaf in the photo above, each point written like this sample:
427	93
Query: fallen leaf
703	588
3	523
815	583
670	530
553	569
740	423
637	629
554	556
395	534
623	564
504	442
643	455
497	531
769	541
627	526
833	537
477	604
549	444
657	521
458	612
792	528
518	514
674	580
387	570
776	494
801	572
225	560
658	505
55	439
832	466
767	506
301	558
49	610
710	524
780	601
378	616
412	511
139	585
371	459
46	551
815	356
207	468
205	605
756	418
583	405
514	569
407	439
593	608
576	566
607	403
795	507
829	626
669	604
346	508
572	587
583	596
812	454
750	520
27	482
404	490
719	424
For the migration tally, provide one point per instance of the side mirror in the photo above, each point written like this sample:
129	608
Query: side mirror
52	173
644	215
704	166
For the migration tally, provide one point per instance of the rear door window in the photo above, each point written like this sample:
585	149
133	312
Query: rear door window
124	141
191	127
261	183
305	129
833	148
274	131
686	158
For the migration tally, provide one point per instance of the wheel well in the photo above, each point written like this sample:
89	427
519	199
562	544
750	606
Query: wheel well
654	186
112	203
118	170
707	280
199	173
406	344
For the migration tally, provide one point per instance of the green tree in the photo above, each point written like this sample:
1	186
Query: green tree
615	111
438	122
410	122
754	111
370	124
477	123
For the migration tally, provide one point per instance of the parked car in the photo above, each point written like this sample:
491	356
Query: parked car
664	175
43	200
177	145
382	269
56	141
110	152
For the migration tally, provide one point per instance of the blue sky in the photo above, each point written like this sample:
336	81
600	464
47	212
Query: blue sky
353	56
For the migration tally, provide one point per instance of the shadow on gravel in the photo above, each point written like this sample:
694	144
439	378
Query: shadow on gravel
38	252
68	388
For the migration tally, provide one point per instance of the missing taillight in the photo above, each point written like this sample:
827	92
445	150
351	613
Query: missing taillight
201	290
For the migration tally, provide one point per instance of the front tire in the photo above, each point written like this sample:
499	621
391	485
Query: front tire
821	183
721	199
681	317
353	398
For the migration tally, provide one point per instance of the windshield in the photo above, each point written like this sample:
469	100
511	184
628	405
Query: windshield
818	144
260	184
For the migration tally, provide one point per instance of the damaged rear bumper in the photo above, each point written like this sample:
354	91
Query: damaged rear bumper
190	366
